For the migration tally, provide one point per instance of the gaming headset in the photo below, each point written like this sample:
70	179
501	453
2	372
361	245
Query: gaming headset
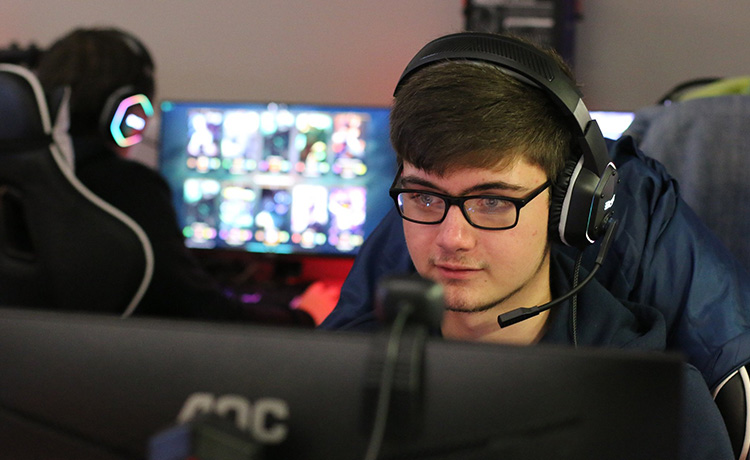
128	108
583	194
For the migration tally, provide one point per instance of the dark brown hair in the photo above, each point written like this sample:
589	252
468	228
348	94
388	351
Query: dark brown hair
462	113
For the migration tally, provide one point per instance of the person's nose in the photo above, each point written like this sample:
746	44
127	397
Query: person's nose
455	233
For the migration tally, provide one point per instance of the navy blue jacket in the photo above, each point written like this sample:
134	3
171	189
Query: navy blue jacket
603	321
662	255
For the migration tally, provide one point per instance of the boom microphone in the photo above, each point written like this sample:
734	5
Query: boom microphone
523	313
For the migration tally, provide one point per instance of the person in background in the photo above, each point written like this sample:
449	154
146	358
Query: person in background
103	67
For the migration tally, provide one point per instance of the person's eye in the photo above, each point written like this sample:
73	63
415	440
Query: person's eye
427	200
422	199
493	205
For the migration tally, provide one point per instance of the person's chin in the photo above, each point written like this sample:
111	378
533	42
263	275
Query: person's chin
459	299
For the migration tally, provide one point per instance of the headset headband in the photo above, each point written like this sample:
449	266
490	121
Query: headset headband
527	64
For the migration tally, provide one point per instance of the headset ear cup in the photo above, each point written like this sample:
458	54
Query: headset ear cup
559	190
108	111
118	106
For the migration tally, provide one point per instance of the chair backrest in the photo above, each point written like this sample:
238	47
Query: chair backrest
702	139
61	246
705	144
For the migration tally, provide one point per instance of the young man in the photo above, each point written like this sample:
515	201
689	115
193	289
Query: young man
488	157
482	156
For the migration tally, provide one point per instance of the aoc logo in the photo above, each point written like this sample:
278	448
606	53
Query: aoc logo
265	419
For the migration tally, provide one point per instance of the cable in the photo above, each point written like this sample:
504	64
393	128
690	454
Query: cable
386	382
574	302
523	313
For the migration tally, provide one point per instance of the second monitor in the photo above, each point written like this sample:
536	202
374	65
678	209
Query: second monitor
276	178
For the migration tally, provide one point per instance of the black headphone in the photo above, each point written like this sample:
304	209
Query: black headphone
583	194
127	109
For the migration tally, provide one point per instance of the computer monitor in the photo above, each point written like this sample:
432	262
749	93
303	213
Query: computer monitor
92	387
276	178
613	122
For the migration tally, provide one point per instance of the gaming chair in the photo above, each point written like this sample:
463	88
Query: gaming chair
703	142
61	246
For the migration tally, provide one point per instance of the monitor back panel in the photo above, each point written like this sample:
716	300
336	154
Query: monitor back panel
97	387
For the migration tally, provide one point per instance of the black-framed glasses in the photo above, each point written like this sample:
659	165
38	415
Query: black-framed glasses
489	212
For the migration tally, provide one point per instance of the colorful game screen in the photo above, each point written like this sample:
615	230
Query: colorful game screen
277	178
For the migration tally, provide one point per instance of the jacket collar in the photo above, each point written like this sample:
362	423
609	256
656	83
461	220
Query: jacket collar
601	319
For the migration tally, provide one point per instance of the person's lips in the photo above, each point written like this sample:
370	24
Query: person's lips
456	271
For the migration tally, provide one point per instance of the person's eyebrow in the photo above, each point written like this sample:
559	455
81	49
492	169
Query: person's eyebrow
478	188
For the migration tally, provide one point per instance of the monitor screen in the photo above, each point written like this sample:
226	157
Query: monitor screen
612	123
94	387
276	178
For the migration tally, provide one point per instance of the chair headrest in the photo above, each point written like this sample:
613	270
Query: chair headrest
23	107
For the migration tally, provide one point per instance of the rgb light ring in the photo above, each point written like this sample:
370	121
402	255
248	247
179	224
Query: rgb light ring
117	119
